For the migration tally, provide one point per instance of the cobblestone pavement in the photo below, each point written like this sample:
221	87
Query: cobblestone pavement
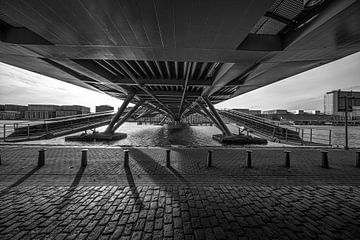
188	200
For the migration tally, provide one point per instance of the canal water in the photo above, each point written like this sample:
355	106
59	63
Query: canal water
151	135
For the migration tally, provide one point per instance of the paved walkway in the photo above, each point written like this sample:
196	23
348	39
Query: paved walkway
61	200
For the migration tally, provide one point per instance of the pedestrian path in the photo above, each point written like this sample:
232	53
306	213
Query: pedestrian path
186	200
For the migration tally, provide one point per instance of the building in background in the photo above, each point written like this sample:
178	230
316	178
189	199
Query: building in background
243	110
10	115
275	112
196	118
15	108
43	111
69	110
104	108
248	111
255	112
12	111
334	103
300	112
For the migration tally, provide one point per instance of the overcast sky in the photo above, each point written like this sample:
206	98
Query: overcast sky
302	91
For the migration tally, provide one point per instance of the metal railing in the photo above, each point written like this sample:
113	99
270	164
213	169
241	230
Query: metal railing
48	129
273	131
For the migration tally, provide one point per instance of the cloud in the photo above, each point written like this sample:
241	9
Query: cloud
303	90
20	86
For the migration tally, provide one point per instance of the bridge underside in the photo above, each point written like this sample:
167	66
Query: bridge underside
170	56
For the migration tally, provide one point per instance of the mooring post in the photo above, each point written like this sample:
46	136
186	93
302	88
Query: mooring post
302	136
84	157
4	132
126	158
324	159
168	157
41	157
287	159
357	161
209	158
248	158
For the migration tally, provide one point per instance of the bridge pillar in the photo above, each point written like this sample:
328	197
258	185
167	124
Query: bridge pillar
118	114
127	115
212	118
217	116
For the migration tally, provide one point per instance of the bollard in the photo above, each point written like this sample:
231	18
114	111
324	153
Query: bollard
287	159
248	159
168	157
324	159
0	159
126	158
357	163
209	158
84	158
41	157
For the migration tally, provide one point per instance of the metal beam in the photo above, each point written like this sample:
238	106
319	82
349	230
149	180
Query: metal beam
87	71
334	8
168	69
159	68
78	51
282	19
261	42
211	117
150	68
189	67
127	115
216	115
176	63
121	110
144	113
167	93
145	89
161	82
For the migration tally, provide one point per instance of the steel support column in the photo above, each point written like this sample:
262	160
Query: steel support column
144	113
119	113
216	115
127	115
211	117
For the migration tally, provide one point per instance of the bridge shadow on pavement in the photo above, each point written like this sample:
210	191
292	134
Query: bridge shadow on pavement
19	181
178	176
158	173
70	192
134	191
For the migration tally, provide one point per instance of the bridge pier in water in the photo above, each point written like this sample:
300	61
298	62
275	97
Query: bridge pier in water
109	133
226	137
226	130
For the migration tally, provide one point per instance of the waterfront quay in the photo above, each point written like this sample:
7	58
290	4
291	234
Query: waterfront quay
79	194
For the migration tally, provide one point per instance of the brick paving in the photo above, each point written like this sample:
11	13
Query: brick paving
61	200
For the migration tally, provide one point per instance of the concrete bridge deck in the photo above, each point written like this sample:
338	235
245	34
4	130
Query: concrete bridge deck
61	200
